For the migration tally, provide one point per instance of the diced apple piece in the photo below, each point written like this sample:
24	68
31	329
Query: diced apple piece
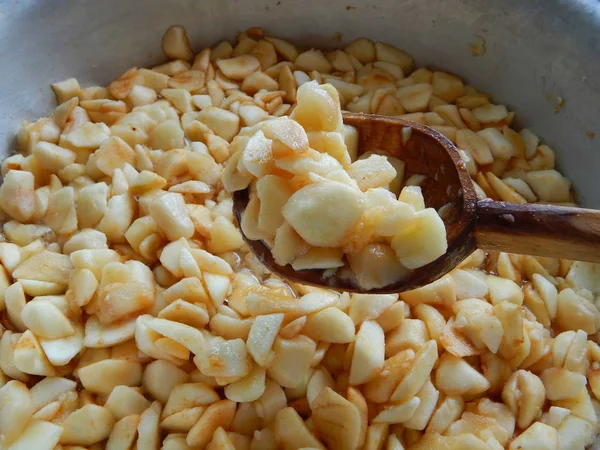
393	217
10	256
113	154
250	114
413	196
29	356
93	260
257	156
166	135
362	49
415	98
66	89
575	312
258	81
423	242
141	95
389	53
211	263
40	435
224	358
490	113
319	258
373	172
499	145
122	300
284	49
321	164
87	425
323	213
549	185
337	420
447	87
17	195
351	140
46	320
103	376
316	109
98	335
45	266
262	335
185	312
185	335
501	289
329	325
469	285
88	238
239	67
224	236
313	60
92	204
217	147
455	376
287	132
331	143
180	98
398	413
585	275
170	214
189	395
369	353
273	193
87	136
25	236
118	217
249	388
16	410
249	222
376	266
222	122
562	384
291	360
52	157
176	45
233	178
60	351
288	245
539	436
475	145
219	414
61	214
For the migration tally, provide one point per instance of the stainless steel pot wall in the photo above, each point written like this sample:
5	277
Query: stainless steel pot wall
537	51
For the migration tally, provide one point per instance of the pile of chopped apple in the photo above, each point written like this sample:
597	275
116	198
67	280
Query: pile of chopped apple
318	207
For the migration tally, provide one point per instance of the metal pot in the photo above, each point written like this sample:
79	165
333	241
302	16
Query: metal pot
537	52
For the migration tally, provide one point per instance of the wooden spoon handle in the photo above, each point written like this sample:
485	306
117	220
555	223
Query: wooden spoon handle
538	230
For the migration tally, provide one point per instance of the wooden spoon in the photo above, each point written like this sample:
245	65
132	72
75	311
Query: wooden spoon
530	229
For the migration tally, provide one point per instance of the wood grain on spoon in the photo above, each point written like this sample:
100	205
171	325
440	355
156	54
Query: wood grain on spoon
532	229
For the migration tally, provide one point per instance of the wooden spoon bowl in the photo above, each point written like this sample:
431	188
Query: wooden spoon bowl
534	229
